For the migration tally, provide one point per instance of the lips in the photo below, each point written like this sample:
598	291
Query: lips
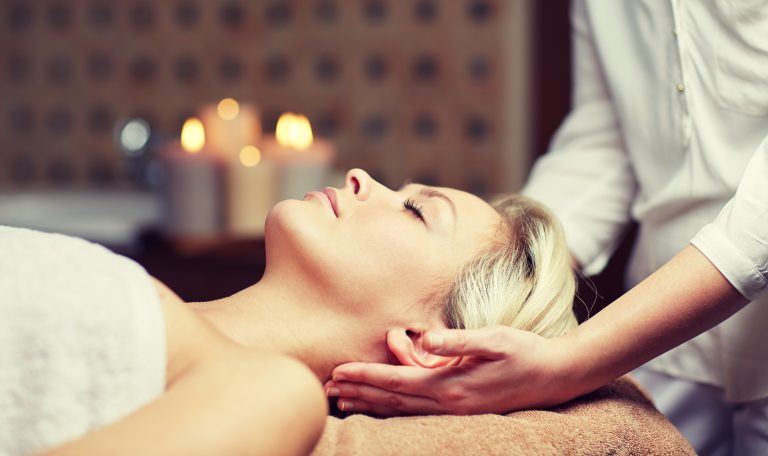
331	194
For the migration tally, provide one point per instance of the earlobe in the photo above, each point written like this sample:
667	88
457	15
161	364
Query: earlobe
406	345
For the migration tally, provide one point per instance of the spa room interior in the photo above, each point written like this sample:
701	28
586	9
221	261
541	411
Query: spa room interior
165	130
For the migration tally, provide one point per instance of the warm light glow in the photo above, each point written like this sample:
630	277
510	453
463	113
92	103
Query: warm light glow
250	156
192	135
228	108
293	130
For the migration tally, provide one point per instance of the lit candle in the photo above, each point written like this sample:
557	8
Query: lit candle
251	193
230	126
233	128
302	161
193	184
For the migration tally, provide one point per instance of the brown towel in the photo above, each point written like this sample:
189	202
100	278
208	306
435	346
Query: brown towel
616	419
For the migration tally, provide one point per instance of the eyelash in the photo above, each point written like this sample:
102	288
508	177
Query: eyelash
411	205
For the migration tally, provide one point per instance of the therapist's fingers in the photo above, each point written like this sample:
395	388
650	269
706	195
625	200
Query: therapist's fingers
357	397
360	406
411	380
493	342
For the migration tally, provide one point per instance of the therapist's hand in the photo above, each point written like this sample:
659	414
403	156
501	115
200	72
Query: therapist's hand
500	369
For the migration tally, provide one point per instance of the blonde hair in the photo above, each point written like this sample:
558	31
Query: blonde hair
526	281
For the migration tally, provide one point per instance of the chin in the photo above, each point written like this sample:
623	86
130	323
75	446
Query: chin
286	223
279	217
295	237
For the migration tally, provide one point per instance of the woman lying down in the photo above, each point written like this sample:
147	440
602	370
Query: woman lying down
98	358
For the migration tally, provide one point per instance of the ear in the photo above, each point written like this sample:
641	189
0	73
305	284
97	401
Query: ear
406	345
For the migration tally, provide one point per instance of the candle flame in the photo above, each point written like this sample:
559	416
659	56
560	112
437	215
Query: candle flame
250	156
294	130
192	135
228	108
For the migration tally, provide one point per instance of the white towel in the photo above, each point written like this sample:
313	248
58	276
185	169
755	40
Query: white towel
82	339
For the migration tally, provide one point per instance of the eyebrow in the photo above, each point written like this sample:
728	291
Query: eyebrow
428	192
432	193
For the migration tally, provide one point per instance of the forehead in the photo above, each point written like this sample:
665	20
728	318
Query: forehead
472	212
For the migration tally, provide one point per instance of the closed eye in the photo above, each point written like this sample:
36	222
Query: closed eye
412	206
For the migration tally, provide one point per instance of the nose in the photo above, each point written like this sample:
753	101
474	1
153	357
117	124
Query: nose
360	183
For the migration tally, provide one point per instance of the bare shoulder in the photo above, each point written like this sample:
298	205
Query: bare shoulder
237	402
278	404
265	396
195	347
220	398
188	338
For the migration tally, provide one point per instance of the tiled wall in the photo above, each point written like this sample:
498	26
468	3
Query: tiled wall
435	90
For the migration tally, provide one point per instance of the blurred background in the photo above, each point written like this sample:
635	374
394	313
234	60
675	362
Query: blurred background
459	93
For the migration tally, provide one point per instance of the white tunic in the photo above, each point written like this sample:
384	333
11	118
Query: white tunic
82	339
670	104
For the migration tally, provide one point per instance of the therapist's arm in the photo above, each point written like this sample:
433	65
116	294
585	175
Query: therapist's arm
700	287
725	267
684	298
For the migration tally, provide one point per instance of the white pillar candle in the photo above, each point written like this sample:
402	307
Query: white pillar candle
230	126
193	185
251	187
303	163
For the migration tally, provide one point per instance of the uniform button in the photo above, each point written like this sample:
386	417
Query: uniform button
680	87
674	31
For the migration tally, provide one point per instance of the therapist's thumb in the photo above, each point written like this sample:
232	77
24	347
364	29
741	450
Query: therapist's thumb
492	342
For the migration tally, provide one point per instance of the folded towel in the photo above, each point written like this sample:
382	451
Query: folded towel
616	419
82	339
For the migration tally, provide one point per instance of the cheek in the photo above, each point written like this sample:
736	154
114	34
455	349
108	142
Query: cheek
377	263
388	257
372	254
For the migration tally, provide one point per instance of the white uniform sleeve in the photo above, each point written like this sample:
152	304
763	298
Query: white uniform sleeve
737	241
586	178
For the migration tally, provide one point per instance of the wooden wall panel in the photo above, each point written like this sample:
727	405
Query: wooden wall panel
427	89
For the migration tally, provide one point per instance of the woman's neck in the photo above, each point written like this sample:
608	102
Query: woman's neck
293	320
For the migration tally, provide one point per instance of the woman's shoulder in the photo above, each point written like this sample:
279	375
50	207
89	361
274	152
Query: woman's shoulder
279	398
189	339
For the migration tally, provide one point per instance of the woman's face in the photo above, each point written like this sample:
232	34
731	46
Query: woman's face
378	253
